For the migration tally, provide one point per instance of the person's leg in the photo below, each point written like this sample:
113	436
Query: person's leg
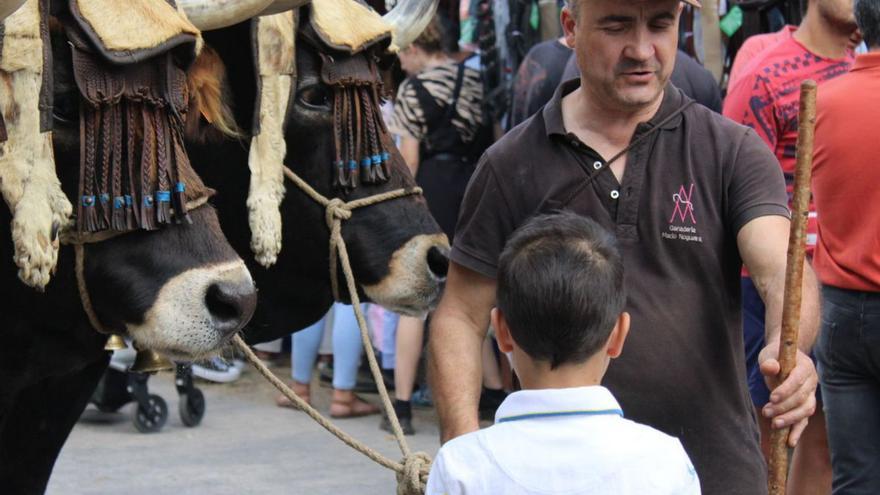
303	353
347	351
848	350
811	463
410	338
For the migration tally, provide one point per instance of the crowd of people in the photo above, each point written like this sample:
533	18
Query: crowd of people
625	198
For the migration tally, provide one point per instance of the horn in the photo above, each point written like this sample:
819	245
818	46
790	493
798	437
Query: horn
115	343
149	361
279	6
215	14
8	7
408	19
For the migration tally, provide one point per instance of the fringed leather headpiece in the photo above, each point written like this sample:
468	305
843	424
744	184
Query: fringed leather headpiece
359	132
131	132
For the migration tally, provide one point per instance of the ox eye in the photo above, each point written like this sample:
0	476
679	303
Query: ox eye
65	110
315	96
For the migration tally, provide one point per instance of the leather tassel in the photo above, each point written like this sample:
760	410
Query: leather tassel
90	214
353	176
131	222
105	212
163	207
181	215
119	223
148	213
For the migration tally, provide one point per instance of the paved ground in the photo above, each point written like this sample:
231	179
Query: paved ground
245	444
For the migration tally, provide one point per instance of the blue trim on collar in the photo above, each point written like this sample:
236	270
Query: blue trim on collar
597	412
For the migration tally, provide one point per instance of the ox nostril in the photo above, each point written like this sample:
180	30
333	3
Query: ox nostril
231	305
438	263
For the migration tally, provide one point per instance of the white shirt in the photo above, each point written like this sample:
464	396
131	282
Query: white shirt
563	441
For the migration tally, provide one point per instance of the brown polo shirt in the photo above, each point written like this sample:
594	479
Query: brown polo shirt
686	191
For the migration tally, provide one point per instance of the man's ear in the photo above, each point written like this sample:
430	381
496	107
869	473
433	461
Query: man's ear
568	26
502	331
618	335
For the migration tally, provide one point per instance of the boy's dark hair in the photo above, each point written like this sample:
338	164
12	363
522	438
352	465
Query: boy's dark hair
560	287
867	14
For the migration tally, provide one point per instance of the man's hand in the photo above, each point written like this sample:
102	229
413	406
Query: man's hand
794	401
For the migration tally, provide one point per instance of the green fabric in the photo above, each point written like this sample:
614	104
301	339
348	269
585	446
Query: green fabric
732	21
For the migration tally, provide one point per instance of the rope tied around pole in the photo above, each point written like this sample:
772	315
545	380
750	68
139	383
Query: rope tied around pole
412	470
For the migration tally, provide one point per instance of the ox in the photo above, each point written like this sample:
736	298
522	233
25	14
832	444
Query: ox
180	289
398	252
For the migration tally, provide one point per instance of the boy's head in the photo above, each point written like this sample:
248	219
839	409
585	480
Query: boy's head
560	290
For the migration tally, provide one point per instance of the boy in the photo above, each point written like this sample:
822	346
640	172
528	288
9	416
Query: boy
560	319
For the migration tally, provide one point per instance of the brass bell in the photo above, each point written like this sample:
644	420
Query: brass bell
149	361
115	343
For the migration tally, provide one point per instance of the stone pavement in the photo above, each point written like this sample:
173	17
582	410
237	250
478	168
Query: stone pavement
244	445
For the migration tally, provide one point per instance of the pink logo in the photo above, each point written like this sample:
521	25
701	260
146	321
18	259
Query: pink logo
683	205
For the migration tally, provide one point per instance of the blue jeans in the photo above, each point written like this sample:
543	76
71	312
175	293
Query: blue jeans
848	350
347	348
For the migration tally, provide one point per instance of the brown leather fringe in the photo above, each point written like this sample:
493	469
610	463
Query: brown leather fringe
131	129
358	131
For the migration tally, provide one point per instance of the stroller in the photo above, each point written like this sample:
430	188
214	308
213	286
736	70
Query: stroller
119	386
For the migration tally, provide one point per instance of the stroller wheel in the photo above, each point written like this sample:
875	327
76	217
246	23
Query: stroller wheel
192	407
151	417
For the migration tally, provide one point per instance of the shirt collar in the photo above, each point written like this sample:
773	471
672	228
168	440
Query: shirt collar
533	404
870	60
673	98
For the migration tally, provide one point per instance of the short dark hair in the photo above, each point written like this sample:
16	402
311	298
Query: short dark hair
868	19
560	287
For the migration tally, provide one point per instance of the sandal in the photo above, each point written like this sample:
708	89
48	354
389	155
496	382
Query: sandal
302	391
354	408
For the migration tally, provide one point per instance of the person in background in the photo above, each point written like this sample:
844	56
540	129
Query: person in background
539	73
438	116
765	97
347	351
560	318
847	262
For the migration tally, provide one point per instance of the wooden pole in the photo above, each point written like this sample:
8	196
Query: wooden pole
791	309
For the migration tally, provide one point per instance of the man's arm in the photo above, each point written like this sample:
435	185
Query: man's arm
763	244
458	328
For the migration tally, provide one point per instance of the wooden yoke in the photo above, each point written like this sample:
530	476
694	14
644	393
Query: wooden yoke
794	271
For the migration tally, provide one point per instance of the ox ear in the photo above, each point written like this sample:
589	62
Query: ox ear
275	47
29	183
348	26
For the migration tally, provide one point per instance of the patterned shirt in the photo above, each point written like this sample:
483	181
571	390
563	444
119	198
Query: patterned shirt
413	120
766	98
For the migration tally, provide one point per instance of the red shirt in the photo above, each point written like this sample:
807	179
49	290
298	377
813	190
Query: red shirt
753	46
766	98
846	178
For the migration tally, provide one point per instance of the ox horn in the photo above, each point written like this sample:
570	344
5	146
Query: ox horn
7	7
215	14
279	6
409	18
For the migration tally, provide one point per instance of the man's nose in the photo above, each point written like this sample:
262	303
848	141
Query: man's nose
641	48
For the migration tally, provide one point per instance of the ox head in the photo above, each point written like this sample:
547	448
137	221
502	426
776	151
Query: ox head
180	289
398	252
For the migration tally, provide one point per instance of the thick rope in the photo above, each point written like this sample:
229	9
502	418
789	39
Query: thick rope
412	471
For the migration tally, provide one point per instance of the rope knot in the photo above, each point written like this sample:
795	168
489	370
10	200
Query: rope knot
413	478
336	210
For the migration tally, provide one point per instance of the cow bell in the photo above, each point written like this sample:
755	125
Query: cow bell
149	361
115	343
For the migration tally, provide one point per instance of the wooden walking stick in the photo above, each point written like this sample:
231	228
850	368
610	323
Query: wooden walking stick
794	270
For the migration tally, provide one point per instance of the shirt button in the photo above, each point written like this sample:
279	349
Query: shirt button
615	194
597	165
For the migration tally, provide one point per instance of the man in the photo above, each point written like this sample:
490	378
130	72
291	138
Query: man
847	261
765	97
690	196
539	73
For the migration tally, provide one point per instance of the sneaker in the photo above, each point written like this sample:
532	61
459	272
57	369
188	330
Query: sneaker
403	410
490	400
216	369
422	398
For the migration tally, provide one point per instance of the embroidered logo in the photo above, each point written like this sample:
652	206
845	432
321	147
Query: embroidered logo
682	223
684	207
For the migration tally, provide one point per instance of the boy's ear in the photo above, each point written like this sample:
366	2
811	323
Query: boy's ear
502	331
618	335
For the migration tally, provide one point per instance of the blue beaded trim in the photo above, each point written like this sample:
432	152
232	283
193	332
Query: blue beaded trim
88	200
163	196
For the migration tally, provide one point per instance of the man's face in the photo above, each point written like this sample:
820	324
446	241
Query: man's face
625	49
838	13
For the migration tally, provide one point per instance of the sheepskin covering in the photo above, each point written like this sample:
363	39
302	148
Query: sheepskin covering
348	26
276	65
132	30
28	181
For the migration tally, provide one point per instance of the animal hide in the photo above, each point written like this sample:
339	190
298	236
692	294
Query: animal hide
28	181
348	26
132	30
276	67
